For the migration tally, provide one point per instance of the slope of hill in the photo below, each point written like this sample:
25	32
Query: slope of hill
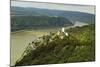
31	22
78	46
71	15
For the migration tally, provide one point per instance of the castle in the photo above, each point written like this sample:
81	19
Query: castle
62	33
45	39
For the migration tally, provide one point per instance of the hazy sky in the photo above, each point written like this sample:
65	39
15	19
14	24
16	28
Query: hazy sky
80	8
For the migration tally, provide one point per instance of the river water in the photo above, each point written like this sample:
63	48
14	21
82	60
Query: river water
21	39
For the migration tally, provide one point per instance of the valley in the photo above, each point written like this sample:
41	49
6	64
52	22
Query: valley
36	26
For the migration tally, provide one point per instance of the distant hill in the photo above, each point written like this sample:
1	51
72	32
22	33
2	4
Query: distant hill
38	22
71	15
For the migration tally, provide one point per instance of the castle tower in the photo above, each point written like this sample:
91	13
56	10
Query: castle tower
63	30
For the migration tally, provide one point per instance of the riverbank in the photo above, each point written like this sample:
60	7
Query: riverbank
20	39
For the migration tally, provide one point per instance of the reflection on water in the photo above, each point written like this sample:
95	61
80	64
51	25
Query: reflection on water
78	23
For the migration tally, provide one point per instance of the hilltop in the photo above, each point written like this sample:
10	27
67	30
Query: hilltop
78	46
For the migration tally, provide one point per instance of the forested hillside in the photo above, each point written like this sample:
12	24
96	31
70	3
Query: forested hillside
78	46
71	15
34	22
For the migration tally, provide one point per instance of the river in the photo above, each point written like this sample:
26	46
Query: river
21	39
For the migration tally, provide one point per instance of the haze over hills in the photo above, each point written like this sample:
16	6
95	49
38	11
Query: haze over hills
71	15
